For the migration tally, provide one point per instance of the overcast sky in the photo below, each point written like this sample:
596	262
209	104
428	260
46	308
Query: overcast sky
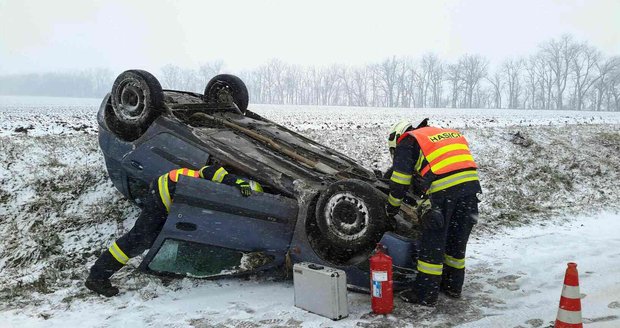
121	34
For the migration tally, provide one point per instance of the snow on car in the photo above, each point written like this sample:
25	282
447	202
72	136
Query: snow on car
319	205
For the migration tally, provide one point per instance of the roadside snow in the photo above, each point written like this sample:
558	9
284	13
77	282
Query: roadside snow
514	278
524	271
541	171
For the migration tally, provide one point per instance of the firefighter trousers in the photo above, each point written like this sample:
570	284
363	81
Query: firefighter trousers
136	241
441	255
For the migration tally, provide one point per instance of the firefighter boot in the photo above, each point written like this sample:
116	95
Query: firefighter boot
425	290
452	282
99	278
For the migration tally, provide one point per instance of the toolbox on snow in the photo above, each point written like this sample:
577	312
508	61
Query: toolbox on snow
321	290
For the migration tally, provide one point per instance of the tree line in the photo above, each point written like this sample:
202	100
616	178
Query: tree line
87	83
563	73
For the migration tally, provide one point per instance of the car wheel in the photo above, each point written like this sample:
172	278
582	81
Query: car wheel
226	88
137	100
350	215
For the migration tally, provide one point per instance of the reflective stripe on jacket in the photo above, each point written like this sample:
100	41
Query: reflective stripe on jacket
173	176
445	150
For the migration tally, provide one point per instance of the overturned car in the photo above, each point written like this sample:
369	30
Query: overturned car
318	205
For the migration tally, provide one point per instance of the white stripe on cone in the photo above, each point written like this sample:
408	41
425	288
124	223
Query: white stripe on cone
571	292
571	317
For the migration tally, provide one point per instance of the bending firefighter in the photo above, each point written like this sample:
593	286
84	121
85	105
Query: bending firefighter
439	161
150	222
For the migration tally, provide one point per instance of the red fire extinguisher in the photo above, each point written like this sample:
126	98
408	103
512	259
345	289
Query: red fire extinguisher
381	292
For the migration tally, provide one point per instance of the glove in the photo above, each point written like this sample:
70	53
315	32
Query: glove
423	206
430	218
244	187
391	211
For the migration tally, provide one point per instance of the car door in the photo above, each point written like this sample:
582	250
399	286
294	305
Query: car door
212	230
164	147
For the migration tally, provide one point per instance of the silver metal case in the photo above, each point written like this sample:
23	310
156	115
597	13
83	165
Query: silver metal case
321	290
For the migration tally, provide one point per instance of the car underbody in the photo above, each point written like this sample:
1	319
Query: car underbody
318	205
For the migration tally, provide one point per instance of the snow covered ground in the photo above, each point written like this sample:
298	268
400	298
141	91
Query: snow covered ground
551	191
514	279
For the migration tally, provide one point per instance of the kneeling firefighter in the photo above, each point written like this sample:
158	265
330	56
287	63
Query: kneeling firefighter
440	161
150	222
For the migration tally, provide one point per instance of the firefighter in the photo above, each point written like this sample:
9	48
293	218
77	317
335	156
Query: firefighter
156	206
439	161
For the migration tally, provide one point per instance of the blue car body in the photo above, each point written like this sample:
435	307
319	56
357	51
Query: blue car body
211	230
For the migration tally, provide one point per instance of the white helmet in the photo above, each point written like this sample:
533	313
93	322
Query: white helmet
396	131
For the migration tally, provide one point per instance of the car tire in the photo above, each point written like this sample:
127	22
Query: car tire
350	215
137	99
224	88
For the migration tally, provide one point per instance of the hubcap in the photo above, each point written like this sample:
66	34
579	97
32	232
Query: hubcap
347	216
131	102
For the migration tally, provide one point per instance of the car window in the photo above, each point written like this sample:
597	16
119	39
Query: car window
200	260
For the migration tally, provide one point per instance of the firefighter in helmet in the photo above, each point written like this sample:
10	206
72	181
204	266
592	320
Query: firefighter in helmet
440	161
156	206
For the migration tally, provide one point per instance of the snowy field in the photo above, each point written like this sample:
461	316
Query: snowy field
551	196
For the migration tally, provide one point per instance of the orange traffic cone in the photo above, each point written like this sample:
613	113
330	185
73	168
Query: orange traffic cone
569	313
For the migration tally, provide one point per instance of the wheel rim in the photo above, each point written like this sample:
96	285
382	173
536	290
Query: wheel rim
223	93
131	101
347	216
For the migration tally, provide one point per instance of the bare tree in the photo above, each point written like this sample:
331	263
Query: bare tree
404	83
512	71
360	85
388	71
346	84
562	74
277	69
101	79
210	69
172	76
606	72
455	78
545	80
531	83
559	55
614	86
436	83
408	85
474	70
430	79
584	71
329	85
292	84
497	83
190	81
